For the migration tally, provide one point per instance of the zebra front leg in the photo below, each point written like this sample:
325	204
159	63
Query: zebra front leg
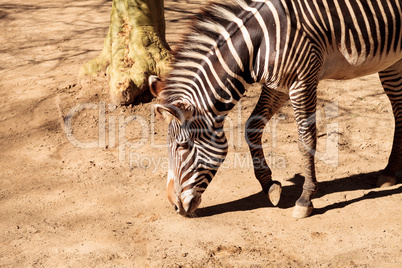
391	80
304	101
269	103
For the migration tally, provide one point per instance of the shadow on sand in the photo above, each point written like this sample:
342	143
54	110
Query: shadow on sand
291	193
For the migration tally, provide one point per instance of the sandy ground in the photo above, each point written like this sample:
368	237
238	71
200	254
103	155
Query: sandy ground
82	183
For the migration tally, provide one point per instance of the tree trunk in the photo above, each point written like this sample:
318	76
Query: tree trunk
135	48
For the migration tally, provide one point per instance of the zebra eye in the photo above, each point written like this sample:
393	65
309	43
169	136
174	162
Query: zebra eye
183	145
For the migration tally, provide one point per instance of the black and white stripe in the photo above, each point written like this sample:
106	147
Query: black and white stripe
287	46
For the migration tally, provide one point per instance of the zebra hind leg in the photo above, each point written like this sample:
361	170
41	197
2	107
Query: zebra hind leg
269	103
391	79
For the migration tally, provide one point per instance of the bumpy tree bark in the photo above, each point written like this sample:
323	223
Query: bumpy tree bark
135	48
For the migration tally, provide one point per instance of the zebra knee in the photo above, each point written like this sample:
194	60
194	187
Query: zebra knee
253	134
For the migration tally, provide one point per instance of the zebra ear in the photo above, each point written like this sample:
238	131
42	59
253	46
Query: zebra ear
181	111
155	85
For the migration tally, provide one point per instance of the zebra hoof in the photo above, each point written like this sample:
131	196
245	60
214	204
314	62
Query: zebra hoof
386	181
300	212
274	193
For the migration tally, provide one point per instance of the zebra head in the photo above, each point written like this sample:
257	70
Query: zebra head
196	148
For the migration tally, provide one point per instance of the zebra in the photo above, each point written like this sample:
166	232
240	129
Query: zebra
287	46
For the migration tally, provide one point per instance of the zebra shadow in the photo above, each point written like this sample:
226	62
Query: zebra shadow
290	193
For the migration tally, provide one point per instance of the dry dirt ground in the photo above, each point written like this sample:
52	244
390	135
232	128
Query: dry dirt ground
83	182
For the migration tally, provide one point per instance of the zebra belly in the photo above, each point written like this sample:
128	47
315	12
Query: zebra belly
336	66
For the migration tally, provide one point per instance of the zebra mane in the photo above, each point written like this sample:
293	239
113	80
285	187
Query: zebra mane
204	33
